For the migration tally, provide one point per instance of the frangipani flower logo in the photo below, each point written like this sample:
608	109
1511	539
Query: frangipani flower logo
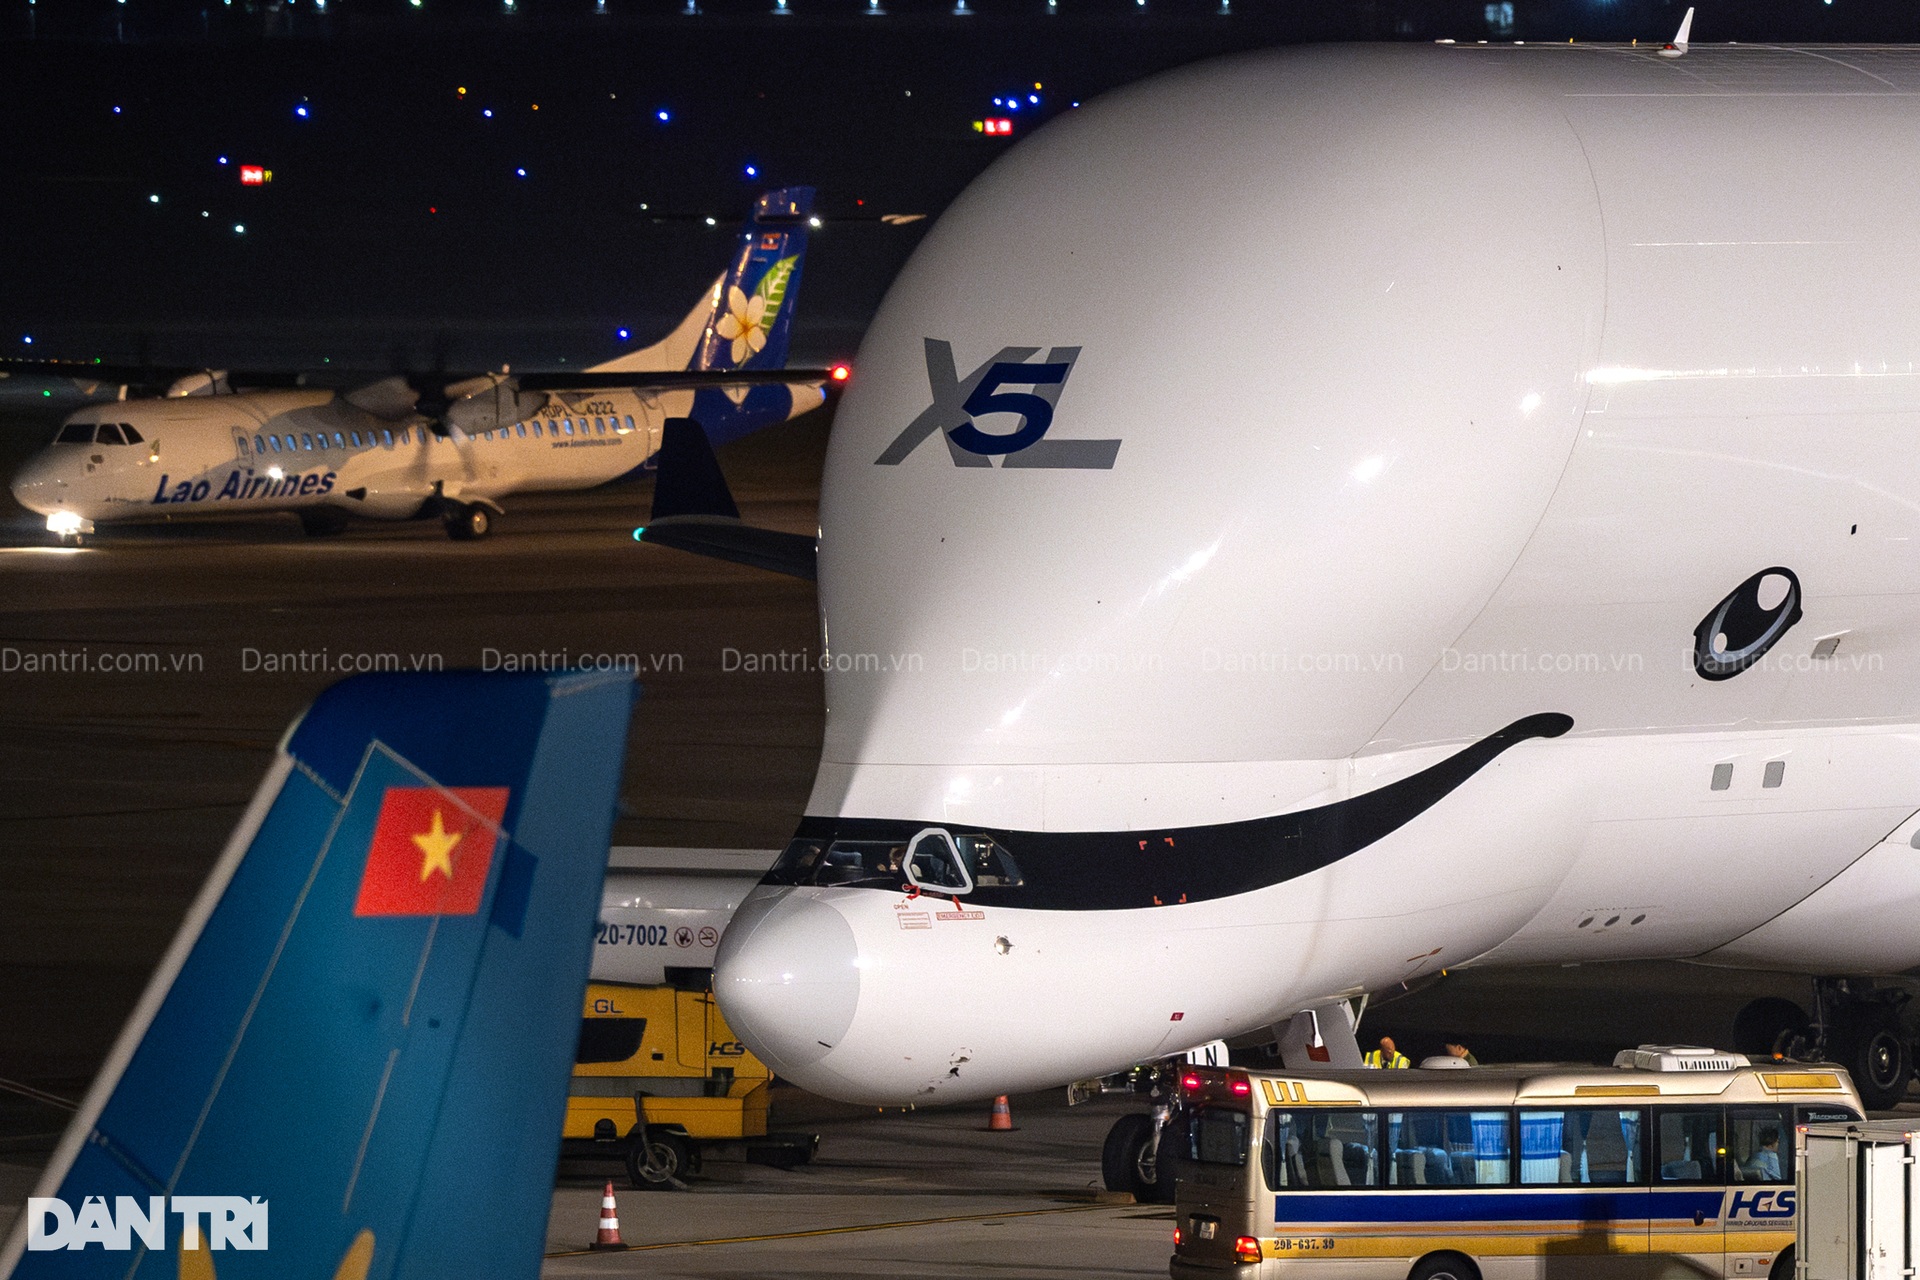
744	324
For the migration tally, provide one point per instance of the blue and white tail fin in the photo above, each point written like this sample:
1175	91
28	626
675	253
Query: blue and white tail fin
744	320
353	1060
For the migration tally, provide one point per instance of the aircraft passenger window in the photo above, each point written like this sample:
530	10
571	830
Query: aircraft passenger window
1448	1149
523	431
75	433
627	424
339	441
992	866
1759	1145
306	441
1578	1148
133	437
568	424
259	444
1689	1147
600	426
406	435
536	430
389	437
110	434
1319	1149
275	442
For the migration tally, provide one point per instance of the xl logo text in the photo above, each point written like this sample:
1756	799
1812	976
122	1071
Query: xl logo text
1761	1204
206	1222
1007	386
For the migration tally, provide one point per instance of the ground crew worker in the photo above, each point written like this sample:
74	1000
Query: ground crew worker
1457	1049
1387	1055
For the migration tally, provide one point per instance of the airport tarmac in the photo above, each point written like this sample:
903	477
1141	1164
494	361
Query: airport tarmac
145	678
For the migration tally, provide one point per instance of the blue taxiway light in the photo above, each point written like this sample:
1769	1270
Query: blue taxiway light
622	334
638	532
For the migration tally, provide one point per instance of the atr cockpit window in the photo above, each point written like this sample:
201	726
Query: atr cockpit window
75	433
110	434
934	863
992	866
133	437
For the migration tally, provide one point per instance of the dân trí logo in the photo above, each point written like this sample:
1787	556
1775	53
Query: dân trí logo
204	1222
958	401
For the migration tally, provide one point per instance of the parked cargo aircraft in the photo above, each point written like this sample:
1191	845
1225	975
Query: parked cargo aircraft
1454	506
213	447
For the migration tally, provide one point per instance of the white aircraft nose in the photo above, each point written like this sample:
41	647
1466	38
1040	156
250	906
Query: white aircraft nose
787	978
33	485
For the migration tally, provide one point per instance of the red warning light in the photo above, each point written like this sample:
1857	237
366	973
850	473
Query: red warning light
994	126
1190	1082
253	175
840	372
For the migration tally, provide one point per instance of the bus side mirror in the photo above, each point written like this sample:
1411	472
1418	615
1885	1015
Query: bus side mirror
934	864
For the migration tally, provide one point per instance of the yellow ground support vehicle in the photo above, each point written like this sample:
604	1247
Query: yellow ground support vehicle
659	1075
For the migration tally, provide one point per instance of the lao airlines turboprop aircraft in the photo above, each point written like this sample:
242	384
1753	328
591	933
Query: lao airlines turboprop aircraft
386	452
1455	506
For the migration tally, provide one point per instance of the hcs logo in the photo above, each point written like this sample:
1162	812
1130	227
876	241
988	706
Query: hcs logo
1007	385
1762	1204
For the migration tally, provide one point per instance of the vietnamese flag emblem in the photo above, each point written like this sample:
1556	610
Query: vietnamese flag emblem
430	851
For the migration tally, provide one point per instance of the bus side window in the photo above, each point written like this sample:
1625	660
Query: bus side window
1759	1145
1448	1149
1688	1145
1321	1149
1580	1147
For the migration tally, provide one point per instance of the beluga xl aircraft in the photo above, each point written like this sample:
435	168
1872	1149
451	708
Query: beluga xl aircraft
224	443
1468	521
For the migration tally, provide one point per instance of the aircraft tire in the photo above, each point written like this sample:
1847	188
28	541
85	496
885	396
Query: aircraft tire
469	522
661	1163
1761	1027
1123	1161
1868	1041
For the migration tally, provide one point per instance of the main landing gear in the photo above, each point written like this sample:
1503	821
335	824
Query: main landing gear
467	521
1854	1024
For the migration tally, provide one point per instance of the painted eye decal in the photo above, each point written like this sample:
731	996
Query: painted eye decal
1738	630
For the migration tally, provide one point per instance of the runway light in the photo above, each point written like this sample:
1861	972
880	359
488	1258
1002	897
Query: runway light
1034	98
519	173
116	111
222	160
462	91
27	338
840	372
239	228
153	199
622	334
301	111
486	113
753	171
711	222
663	116
812	222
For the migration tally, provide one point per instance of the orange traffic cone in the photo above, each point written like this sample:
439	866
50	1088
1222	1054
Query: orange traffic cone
609	1235
1001	1118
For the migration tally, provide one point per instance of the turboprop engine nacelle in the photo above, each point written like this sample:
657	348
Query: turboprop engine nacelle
490	403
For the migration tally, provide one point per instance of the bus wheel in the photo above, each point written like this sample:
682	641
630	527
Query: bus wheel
659	1164
1444	1266
1782	1266
1124	1161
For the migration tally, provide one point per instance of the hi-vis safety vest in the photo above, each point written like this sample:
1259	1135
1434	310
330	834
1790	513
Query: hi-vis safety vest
1375	1058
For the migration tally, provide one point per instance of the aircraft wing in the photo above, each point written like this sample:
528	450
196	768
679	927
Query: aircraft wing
353	1059
679	380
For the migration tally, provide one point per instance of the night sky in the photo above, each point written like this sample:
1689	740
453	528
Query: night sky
397	230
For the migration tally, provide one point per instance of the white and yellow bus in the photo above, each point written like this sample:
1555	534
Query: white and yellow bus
1675	1163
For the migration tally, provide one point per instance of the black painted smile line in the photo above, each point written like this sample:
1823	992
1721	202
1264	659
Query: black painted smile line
1112	870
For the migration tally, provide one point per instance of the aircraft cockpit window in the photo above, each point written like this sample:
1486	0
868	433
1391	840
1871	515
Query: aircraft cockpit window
110	434
934	863
75	433
992	866
860	862
133	437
